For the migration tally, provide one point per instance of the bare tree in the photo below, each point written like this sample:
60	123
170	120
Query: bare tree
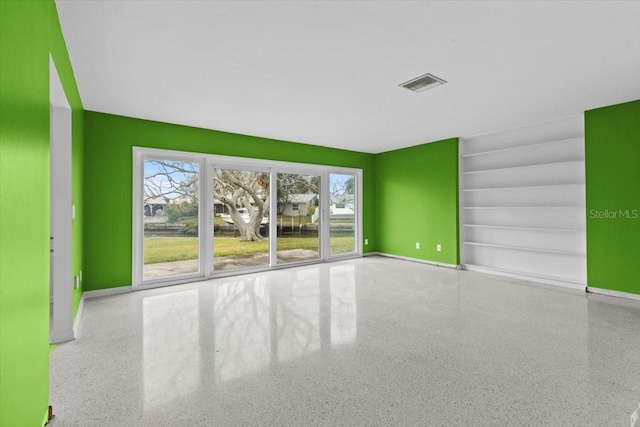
342	188
170	180
244	189
178	180
173	182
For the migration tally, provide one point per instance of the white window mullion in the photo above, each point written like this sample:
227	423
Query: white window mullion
325	205
206	218
358	228
273	217
138	227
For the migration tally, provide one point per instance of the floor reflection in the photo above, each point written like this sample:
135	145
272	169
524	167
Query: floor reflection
257	323
296	308
253	323
241	321
343	304
171	346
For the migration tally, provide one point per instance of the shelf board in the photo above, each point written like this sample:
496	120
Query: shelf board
522	167
532	276
519	147
524	187
523	207
573	230
520	248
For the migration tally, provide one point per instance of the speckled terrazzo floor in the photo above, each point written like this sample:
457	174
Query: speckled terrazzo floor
369	342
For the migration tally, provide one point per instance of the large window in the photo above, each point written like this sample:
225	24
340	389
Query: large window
199	216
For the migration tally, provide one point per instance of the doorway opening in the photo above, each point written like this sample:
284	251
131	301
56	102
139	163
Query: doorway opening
61	213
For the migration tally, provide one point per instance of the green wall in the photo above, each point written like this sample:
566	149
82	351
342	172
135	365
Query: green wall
108	181
612	163
24	213
29	31
417	201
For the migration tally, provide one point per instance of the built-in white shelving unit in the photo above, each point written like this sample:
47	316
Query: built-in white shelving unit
522	201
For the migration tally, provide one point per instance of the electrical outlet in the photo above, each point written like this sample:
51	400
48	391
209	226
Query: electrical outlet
417	245
366	241
439	247
76	282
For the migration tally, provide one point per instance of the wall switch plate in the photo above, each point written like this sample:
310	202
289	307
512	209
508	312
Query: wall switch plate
417	245
76	282
439	247
73	211
366	241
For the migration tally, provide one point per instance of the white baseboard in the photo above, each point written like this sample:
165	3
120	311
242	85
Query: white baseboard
94	294
61	336
611	293
76	321
107	292
436	263
545	280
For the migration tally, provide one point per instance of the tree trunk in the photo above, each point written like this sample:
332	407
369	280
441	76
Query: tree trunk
248	231
249	234
237	189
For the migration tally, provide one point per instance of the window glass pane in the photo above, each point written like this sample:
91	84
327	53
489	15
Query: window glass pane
298	217
342	213
170	219
241	222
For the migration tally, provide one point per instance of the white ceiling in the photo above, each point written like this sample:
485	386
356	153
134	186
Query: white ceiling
327	73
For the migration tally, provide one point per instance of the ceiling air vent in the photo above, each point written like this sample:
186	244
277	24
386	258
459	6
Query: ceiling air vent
424	82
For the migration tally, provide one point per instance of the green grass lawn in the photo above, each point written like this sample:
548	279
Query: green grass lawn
167	249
